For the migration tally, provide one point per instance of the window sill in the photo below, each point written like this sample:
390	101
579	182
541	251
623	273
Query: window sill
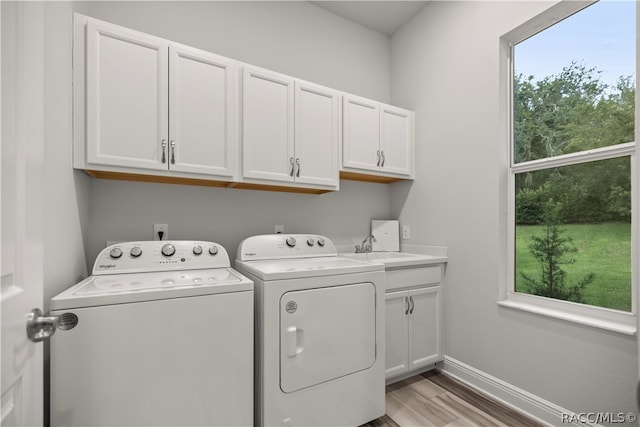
625	326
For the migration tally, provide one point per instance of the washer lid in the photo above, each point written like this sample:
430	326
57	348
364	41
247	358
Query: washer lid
138	287
306	267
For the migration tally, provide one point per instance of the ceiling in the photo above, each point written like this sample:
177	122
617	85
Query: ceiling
385	17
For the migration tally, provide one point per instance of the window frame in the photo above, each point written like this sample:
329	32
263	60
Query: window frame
598	317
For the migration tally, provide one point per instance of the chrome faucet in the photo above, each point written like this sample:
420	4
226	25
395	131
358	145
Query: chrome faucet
364	247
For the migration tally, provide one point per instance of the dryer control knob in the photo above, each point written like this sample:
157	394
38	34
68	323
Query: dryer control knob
320	242
115	253
197	250
310	242
213	250
291	241
168	249
135	252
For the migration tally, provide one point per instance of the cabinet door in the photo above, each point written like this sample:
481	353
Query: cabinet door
396	140
425	327
397	334
267	110
361	133
316	134
202	116
127	97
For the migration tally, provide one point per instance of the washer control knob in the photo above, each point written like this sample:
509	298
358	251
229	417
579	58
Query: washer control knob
291	241
168	249
135	252
320	242
115	253
213	250
310	242
197	250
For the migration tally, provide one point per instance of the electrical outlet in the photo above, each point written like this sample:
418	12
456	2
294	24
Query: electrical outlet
406	232
278	229
160	231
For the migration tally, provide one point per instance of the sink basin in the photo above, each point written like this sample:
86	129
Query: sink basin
393	260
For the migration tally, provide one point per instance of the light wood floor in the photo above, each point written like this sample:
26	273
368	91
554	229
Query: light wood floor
433	399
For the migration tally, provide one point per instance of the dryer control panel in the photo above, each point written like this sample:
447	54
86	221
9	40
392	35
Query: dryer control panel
147	256
282	246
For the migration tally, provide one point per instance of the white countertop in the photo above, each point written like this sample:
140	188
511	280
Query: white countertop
397	259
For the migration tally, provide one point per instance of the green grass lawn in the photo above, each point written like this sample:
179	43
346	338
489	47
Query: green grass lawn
603	249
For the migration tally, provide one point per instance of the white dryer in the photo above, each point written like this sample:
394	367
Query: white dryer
160	335
319	332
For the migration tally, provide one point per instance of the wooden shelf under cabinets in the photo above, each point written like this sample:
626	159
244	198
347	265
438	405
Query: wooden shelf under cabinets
122	176
352	176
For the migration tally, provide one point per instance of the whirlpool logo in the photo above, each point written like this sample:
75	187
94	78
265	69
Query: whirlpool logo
107	266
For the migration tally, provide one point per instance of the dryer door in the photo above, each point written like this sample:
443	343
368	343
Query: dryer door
326	333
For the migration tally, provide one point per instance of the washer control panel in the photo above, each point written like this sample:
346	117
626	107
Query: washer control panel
282	246
147	256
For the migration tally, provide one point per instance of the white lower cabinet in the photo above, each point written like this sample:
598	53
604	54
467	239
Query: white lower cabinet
413	329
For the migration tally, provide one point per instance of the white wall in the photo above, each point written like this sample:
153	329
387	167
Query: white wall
445	67
291	37
294	38
66	197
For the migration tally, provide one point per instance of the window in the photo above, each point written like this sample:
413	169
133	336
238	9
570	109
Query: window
573	161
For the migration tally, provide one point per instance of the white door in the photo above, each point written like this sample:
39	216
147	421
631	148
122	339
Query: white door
267	114
397	333
316	140
396	140
202	112
424	327
361	133
21	203
127	97
326	333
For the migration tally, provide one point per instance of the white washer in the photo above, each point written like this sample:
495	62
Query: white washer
319	332
160	335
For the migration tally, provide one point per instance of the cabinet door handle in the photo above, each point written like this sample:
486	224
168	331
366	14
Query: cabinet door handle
164	151
378	153
173	152
413	305
298	172
406	300
383	158
293	166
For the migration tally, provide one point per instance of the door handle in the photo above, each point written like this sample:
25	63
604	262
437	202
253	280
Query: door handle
378	153
173	152
164	151
298	164
295	341
293	166
413	305
406	301
383	158
40	327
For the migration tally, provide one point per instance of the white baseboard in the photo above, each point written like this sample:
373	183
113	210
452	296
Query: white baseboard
510	395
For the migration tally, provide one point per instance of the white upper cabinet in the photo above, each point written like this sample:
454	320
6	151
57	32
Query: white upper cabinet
202	112
316	134
267	123
377	138
153	106
361	135
290	130
149	109
396	140
127	97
